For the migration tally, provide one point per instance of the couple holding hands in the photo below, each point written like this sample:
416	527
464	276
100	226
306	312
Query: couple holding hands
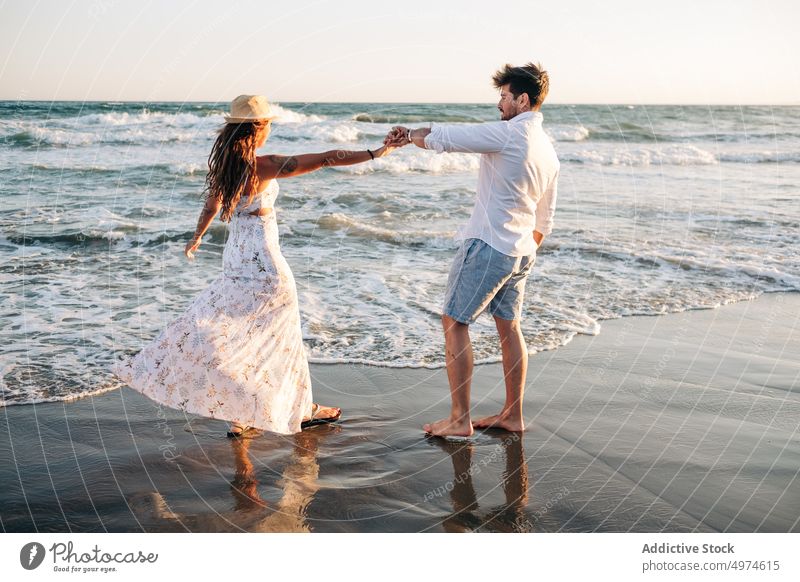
237	352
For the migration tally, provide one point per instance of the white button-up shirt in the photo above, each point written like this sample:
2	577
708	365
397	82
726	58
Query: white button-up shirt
517	180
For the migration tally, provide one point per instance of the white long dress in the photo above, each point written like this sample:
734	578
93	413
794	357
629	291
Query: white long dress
236	353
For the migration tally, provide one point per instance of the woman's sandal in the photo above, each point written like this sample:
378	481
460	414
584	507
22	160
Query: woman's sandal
313	421
239	431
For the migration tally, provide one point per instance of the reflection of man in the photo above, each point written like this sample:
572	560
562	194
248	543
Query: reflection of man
511	516
512	215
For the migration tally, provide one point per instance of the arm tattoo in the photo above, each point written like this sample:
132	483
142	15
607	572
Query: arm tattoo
285	165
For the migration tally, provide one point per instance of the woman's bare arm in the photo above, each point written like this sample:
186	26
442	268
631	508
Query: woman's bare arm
207	215
273	166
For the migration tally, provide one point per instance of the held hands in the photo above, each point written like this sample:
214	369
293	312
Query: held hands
397	137
191	247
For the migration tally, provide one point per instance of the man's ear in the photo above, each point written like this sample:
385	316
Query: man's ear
524	100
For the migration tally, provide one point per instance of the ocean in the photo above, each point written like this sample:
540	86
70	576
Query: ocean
660	209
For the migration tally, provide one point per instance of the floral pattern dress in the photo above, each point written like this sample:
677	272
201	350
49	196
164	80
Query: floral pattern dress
236	353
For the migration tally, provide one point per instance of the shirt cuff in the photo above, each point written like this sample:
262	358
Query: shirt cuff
433	140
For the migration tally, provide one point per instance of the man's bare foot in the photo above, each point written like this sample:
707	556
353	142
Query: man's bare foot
449	427
500	421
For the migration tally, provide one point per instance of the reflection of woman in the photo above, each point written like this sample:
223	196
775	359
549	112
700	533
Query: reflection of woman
298	484
237	352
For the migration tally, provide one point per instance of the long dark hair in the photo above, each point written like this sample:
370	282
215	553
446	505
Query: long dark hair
232	165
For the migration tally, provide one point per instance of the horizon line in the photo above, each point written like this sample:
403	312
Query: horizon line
279	101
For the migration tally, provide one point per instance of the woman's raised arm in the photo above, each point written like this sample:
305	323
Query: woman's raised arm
273	166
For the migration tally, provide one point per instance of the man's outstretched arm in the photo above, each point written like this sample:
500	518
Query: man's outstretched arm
478	138
417	136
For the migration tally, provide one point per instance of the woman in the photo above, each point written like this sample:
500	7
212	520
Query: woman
237	352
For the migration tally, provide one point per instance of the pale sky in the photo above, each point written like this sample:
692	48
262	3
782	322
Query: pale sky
618	51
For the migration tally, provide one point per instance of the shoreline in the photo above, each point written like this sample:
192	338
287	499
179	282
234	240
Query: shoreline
433	367
682	422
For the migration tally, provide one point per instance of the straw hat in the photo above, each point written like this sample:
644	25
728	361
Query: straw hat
249	108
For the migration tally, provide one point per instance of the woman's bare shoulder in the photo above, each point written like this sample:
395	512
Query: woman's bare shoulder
270	166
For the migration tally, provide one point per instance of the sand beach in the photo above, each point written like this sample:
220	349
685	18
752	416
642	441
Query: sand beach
678	423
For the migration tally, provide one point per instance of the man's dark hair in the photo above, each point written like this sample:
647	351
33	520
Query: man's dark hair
531	79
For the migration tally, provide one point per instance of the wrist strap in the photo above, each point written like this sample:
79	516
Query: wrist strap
408	135
371	155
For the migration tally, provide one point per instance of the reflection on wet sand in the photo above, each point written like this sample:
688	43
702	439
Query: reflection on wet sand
250	512
507	517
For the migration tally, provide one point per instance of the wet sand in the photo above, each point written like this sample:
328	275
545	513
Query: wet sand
684	422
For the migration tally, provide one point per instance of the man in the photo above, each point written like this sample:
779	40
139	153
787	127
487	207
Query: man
513	213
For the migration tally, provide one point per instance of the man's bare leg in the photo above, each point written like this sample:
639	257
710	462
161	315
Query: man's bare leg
515	368
458	355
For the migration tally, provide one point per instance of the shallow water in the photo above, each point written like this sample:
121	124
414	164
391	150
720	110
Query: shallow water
661	209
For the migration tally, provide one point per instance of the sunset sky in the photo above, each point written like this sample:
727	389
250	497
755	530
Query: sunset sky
620	51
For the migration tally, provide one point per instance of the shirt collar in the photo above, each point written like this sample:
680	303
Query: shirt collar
535	115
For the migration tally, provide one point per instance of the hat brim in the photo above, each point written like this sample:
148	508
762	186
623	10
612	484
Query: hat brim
247	119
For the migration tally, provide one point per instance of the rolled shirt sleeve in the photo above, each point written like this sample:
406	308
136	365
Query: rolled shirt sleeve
546	208
480	138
